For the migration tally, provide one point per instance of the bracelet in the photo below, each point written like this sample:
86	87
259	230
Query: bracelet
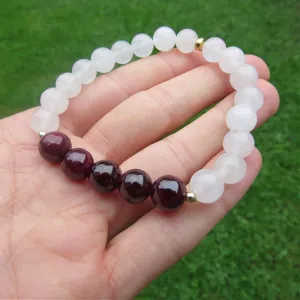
135	186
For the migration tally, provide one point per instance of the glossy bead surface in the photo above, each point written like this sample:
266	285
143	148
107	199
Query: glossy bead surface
241	118
230	168
122	52
78	164
142	45
136	186
213	48
207	186
243	77
54	101
231	59
54	146
251	96
44	121
103	60
68	84
185	40
164	38
106	176
84	71
168	193
238	143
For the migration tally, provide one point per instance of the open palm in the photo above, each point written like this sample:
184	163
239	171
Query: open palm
61	239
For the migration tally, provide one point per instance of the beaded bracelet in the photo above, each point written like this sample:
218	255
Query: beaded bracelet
135	186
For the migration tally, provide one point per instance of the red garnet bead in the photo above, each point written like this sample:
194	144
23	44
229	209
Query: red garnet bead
54	146
136	186
78	164
168	193
106	176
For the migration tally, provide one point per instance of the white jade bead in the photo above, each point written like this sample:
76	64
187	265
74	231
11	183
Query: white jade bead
231	59
103	60
122	52
142	45
185	40
164	38
244	76
207	186
241	118
230	168
84	71
213	48
238	143
44	121
68	83
54	101
252	96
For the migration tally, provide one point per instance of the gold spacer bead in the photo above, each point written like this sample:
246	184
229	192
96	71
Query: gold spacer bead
199	44
41	134
190	197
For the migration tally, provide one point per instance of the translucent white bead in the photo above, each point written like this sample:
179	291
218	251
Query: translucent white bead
68	83
84	71
238	143
164	38
213	48
230	168
185	40
231	59
54	101
207	186
252	96
44	121
122	52
241	118
142	45
243	77
103	60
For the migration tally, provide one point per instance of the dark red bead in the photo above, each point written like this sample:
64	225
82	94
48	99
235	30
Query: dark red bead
168	193
106	176
78	164
136	186
54	146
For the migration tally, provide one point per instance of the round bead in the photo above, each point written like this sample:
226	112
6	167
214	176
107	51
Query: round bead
78	164
244	77
238	143
44	121
251	96
136	186
185	40
230	168
207	186
103	60
231	59
241	118
142	45
54	146
84	71
106	176
212	49
54	101
164	38
122	52
68	84
168	193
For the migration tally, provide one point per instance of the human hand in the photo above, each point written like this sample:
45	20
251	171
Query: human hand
61	239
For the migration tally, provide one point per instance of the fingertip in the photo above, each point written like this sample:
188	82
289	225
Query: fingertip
260	65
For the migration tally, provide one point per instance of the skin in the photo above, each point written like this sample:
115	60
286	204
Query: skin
60	239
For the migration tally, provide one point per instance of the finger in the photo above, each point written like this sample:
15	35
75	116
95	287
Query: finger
187	150
159	239
109	90
147	116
